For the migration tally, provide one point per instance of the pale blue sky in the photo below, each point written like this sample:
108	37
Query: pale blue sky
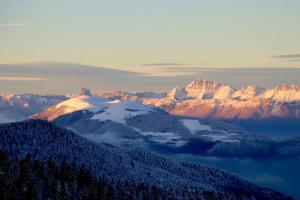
128	34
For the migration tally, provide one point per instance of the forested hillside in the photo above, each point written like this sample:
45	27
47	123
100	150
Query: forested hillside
178	180
33	179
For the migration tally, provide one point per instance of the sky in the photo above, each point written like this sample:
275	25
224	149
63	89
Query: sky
149	36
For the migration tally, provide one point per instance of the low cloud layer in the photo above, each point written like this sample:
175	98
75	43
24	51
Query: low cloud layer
287	56
163	64
295	60
21	78
184	69
14	24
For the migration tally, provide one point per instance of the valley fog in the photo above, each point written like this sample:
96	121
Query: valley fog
280	174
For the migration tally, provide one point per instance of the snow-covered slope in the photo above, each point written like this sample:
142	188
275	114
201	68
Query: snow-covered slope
119	111
82	102
194	125
103	109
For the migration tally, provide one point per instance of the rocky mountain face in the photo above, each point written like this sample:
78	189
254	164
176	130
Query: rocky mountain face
209	99
86	91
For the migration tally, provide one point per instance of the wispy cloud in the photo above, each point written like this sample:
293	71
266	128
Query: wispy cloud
295	60
181	69
287	56
14	24
163	64
22	78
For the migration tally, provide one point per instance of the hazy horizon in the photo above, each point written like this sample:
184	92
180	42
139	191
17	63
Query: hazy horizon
68	78
146	45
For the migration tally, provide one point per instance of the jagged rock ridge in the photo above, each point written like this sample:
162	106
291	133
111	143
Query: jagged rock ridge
210	99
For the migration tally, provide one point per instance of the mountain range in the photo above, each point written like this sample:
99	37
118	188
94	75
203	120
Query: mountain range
210	99
176	121
135	125
200	98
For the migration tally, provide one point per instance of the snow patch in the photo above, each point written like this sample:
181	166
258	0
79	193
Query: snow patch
166	138
194	125
119	111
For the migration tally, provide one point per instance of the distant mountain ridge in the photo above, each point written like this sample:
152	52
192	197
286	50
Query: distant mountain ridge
200	98
210	99
17	107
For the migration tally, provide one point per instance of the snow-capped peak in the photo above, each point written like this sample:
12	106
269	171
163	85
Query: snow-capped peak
248	92
283	93
204	89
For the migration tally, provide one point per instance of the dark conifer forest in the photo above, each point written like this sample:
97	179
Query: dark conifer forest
40	160
32	179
